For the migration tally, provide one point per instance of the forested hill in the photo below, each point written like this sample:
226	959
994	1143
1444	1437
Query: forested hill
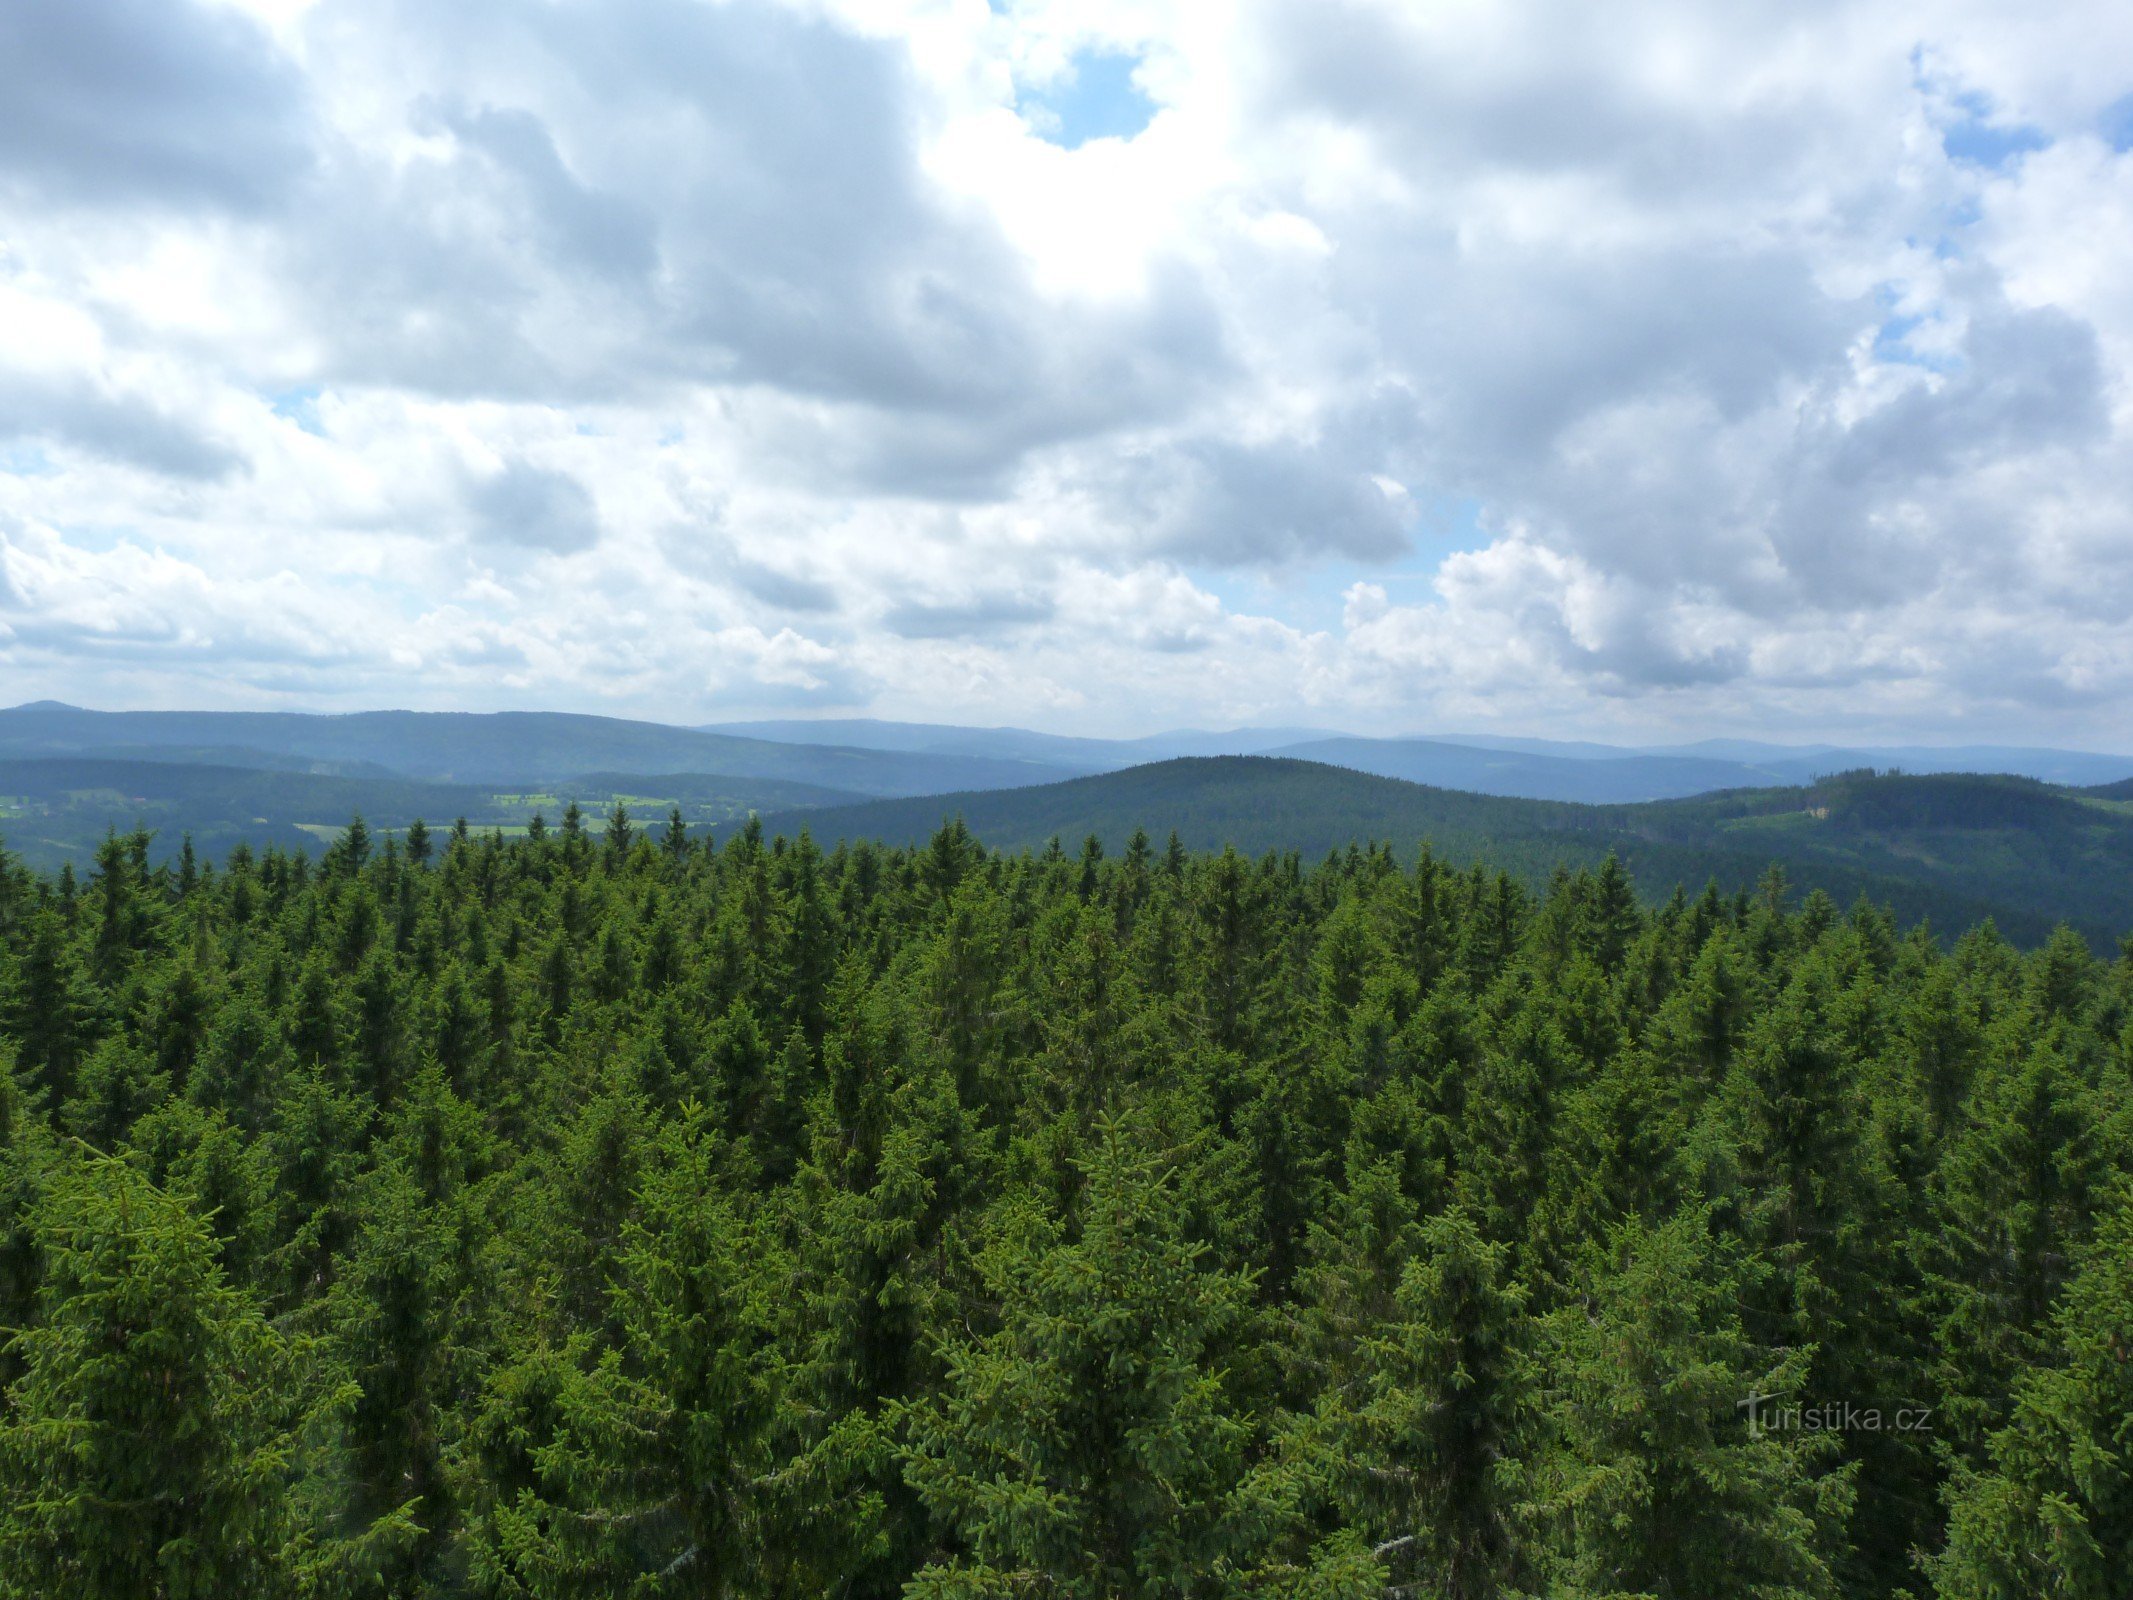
1257	803
590	1215
1953	849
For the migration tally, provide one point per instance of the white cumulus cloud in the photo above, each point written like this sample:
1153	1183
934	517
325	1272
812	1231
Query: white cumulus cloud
1659	368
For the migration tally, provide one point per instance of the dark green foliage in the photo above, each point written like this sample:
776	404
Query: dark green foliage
2052	1514
1663	1485
1953	848
1093	1446
1432	1445
603	1213
48	1005
150	1434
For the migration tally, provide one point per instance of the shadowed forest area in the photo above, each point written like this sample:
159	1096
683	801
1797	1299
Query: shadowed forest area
606	1212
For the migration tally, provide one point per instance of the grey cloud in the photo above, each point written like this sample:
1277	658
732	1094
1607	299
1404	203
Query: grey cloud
1868	510
1637	661
708	549
1207	496
965	616
785	590
1675	402
1624	642
117	427
1542	98
1079	378
158	631
807	247
1508	354
840	688
2020	674
1826	510
2029	379
1247	504
1688	418
159	101
656	193
414	281
1537	382
535	507
604	232
1171	642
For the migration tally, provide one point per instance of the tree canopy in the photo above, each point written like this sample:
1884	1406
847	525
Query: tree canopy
602	1212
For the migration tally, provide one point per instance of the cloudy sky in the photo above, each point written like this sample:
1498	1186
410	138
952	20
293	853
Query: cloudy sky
1654	369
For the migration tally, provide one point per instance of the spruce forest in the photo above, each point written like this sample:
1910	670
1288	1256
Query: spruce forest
609	1213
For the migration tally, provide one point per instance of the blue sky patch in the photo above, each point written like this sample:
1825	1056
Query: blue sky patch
26	461
1096	100
101	538
300	406
1980	142
2116	123
1892	339
1313	594
1892	343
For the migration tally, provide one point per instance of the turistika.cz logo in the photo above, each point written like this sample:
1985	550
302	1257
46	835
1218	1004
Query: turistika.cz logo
1769	1413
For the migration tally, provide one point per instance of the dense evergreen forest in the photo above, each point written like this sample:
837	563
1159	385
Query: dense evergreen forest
605	1213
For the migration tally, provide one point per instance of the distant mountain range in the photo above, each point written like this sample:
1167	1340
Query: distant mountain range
866	757
515	748
2043	843
1532	769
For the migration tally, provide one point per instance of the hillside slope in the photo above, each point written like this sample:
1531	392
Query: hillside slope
1949	849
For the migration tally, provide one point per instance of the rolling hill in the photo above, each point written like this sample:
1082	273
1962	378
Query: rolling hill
1950	849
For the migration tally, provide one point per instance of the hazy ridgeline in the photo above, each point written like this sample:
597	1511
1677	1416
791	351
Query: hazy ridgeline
606	1214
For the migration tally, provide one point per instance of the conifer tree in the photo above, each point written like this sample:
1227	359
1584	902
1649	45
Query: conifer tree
2052	1511
621	833
1674	1472
646	1477
49	1008
876	1265
125	917
146	1445
391	1315
2016	1188
1434	1446
1089	1447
